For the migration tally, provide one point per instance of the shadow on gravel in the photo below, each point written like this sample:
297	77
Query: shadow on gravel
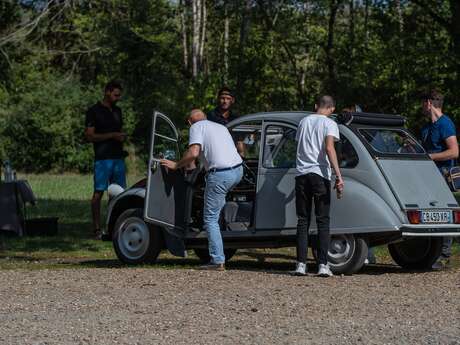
280	268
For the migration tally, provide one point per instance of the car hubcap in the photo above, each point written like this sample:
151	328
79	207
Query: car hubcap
133	239
341	249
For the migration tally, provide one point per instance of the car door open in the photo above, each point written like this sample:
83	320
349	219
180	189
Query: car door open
166	189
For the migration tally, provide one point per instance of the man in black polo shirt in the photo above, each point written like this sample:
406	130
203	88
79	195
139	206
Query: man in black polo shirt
104	129
223	112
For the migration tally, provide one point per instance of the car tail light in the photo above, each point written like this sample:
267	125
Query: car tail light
414	217
457	217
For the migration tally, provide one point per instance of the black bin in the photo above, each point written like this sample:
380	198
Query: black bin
44	226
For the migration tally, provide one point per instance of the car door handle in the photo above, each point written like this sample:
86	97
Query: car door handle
154	163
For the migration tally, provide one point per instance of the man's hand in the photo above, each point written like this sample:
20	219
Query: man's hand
169	164
119	136
339	185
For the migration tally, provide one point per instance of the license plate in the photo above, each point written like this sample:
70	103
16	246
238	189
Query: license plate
436	216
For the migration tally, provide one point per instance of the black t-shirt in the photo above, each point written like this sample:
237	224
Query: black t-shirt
215	116
105	120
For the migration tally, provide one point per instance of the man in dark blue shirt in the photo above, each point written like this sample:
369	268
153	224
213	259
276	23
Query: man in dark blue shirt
439	138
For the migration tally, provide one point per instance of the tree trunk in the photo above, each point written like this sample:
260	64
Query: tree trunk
351	48
226	39
455	34
196	36
400	22
330	58
366	23
183	22
203	34
245	21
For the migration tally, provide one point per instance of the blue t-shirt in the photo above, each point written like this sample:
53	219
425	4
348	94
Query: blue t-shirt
434	135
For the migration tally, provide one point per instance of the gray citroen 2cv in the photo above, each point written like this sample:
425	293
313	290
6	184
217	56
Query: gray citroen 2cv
394	195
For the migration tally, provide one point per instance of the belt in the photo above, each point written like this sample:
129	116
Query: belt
224	169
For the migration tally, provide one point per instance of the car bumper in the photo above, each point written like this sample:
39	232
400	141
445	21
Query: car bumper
436	230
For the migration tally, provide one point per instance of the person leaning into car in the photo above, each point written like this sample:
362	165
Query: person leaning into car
104	125
213	142
439	138
315	156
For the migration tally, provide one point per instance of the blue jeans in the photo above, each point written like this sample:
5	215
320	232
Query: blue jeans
109	171
218	184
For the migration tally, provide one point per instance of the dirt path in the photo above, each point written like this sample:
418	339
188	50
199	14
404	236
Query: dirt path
383	305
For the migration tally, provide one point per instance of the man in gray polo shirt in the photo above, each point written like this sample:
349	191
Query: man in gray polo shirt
212	142
315	155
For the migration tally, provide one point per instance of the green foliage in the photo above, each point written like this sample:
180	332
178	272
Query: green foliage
281	54
42	125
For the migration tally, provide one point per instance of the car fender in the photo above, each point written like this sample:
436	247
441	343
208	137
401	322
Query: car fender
362	210
130	198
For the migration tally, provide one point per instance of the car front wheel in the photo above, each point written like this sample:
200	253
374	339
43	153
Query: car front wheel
416	253
134	240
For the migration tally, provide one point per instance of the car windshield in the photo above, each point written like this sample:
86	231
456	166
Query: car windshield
391	141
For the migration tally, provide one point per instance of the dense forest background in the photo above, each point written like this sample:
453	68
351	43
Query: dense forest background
56	55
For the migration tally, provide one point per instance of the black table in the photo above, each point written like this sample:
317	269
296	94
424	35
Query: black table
13	197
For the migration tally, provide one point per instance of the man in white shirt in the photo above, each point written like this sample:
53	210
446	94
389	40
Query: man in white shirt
213	143
315	155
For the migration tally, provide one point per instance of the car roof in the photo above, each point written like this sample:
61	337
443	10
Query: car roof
293	117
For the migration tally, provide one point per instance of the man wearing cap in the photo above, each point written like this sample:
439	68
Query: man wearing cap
223	112
212	142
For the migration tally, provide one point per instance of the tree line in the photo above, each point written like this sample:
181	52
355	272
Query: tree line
56	55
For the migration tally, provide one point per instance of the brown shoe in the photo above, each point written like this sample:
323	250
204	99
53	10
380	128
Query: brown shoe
212	267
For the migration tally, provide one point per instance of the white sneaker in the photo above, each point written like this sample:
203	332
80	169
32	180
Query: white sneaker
300	269
324	271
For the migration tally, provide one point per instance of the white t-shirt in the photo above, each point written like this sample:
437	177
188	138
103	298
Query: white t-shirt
311	146
219	150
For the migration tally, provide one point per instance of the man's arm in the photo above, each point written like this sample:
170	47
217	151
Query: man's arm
92	136
450	153
332	155
189	157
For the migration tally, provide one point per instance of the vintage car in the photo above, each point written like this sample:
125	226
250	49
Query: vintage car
394	195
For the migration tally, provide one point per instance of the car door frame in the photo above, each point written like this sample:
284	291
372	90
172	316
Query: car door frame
260	214
153	167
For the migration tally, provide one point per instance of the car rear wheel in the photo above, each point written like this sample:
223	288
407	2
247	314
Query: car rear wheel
134	240
347	253
203	254
416	253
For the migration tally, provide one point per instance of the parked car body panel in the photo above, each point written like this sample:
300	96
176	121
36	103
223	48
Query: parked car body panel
417	184
370	204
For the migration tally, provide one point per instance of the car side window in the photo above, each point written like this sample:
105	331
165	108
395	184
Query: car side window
280	147
346	153
165	141
247	139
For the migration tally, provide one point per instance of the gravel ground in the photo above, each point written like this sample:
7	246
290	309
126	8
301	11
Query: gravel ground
382	305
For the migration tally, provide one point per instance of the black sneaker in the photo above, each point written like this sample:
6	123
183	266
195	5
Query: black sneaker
212	267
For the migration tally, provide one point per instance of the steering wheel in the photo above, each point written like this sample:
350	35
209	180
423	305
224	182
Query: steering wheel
247	171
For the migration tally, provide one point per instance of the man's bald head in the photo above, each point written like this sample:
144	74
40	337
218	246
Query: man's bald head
196	115
325	105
